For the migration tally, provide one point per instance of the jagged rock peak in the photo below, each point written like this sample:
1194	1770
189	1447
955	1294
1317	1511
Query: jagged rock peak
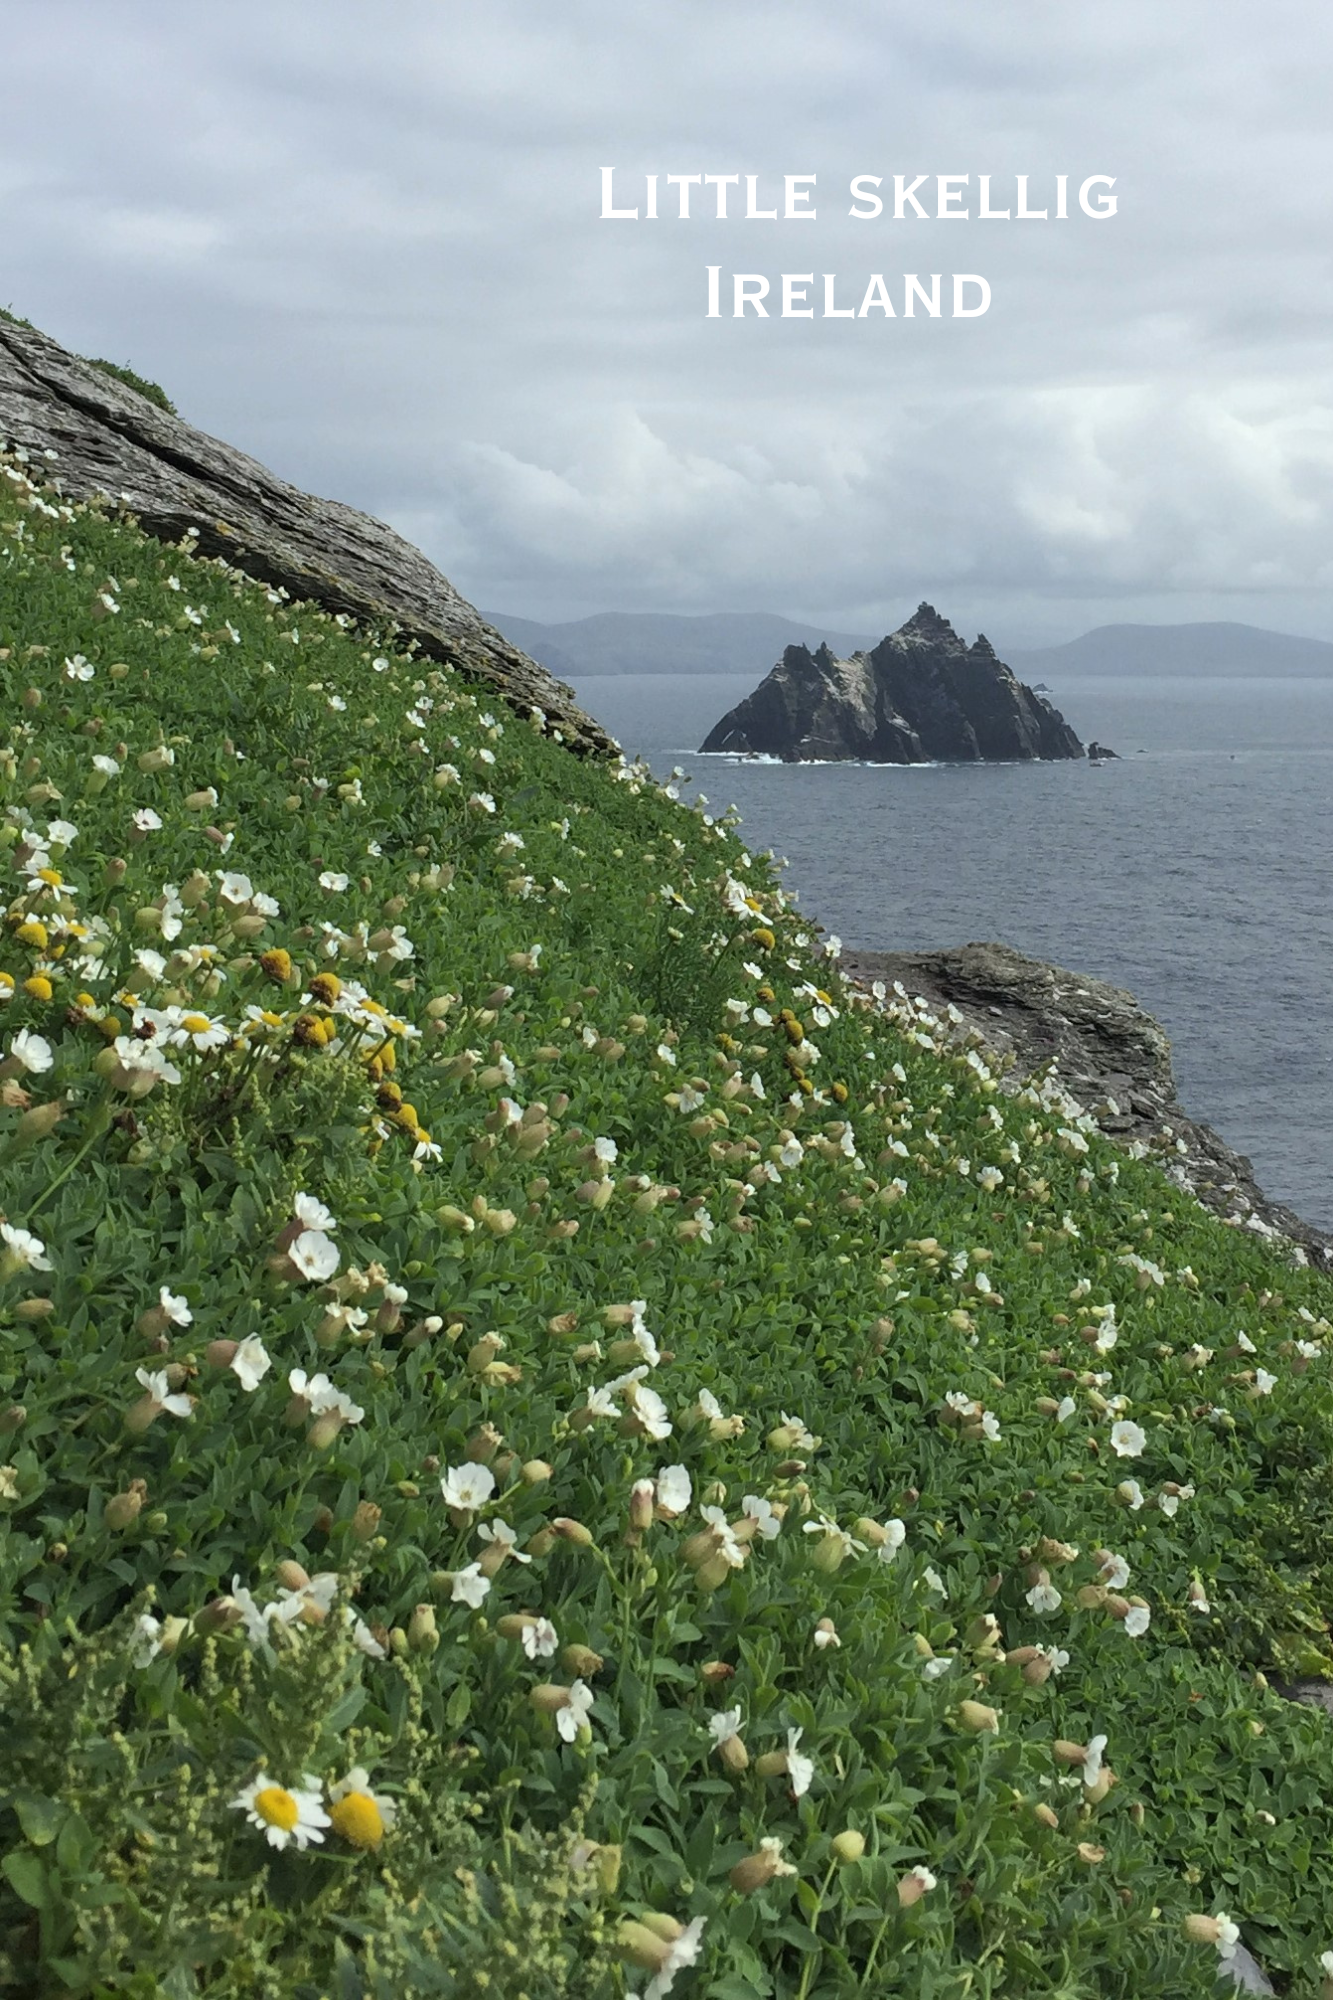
921	695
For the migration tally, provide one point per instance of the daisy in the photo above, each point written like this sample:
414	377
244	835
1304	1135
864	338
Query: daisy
360	1816
283	1815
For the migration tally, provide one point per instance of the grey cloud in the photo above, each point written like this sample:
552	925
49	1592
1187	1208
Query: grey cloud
366	248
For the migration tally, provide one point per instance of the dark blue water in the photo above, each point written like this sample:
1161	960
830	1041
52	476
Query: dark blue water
1197	871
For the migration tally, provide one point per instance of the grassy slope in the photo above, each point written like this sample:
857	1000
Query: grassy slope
846	1289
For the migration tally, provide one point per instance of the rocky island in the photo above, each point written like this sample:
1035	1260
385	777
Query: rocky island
921	696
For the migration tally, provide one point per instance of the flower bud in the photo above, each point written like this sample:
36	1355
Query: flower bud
648	1943
124	1509
912	1886
536	1471
581	1661
365	1521
13	1419
977	1718
218	1353
713	1574
733	1754
757	1870
34	1309
848	1846
290	1575
714	1672
1046	1814
641	1501
548	1699
220	1614
1087	1850
572	1531
422	1634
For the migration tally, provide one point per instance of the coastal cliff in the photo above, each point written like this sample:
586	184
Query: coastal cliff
103	435
1106	1051
922	695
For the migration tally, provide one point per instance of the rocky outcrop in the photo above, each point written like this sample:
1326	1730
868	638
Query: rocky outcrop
920	696
1108	1053
107	438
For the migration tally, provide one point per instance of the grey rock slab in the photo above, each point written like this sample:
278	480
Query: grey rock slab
109	439
1103	1045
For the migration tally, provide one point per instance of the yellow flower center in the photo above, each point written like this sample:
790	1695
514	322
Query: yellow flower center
358	1819
37	988
277	1807
33	933
51	876
196	1024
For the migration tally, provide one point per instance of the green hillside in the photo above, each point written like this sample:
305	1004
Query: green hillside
551	1447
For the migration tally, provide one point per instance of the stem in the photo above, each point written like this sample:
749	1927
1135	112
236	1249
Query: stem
874	1952
97	1126
809	1970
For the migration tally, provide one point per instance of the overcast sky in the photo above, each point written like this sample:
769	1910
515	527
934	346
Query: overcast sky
363	244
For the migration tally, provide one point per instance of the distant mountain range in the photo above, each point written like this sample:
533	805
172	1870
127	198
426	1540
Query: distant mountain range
749	642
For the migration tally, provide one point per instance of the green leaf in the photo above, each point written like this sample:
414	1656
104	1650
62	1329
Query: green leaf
27	1876
458	1706
39	1816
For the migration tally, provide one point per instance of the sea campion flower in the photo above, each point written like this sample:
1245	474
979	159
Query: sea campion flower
1127	1440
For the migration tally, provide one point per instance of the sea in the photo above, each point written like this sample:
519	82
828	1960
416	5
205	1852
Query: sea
1195	869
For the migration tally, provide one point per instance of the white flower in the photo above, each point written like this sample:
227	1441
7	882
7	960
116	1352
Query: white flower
682	1952
251	1362
1169	1503
157	1387
1137	1620
1127	1440
1228	1937
147	1638
540	1640
1264	1382
766	1523
146	820
1092	1761
990	1426
932	1669
1044	1597
176	1309
674	1489
726	1725
366	1642
934	1581
25	1252
500	1533
467	1486
312	1214
800	1768
826	1634
570	1719
333	879
1114	1571
31	1052
1132	1493
315	1255
895	1532
470	1586
284	1815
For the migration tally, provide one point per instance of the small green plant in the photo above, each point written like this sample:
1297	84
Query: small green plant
127	375
548	1444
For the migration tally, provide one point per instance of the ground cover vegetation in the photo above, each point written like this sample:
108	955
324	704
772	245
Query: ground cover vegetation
550	1445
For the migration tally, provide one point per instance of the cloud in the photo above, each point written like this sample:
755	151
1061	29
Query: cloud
368	250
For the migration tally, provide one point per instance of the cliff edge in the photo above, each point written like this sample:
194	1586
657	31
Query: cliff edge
1107	1052
108	438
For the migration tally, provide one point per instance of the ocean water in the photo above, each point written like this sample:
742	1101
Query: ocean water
1197	871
